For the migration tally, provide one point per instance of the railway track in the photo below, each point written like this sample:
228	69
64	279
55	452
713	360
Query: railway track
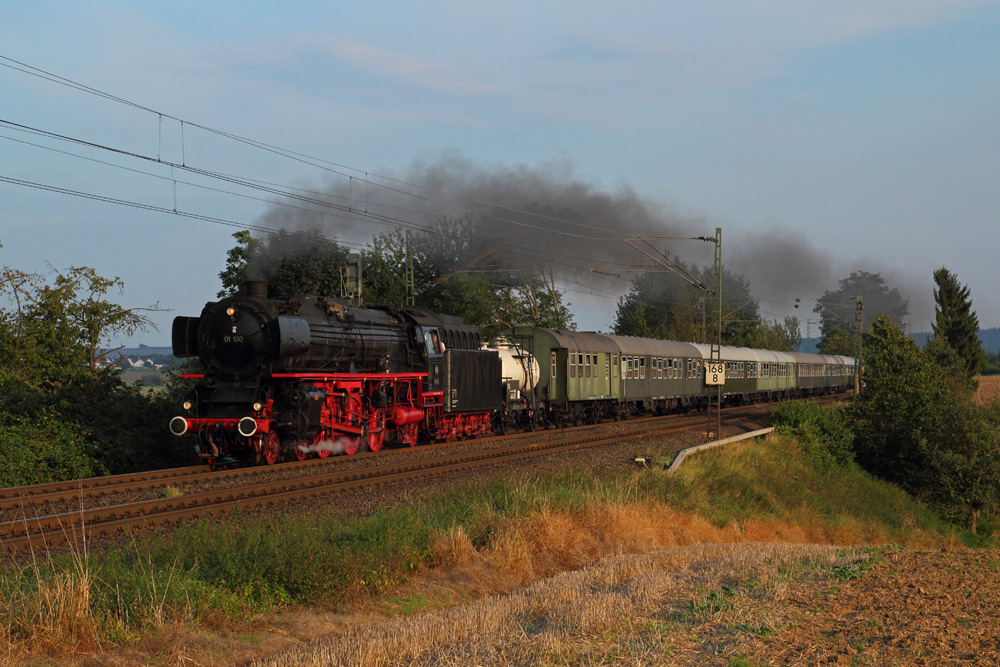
258	487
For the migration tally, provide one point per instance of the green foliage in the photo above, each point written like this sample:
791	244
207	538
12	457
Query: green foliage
956	325
44	450
61	415
238	260
838	341
783	336
454	273
55	331
837	310
821	430
242	566
663	306
948	359
290	262
916	428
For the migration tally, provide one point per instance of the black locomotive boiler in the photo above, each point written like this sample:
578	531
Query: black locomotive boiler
308	374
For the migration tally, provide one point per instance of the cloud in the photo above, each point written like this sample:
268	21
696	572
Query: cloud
312	51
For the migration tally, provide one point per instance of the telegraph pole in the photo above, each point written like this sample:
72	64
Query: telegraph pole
411	285
715	355
717	376
859	322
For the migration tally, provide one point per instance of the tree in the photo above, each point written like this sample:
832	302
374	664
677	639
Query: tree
838	341
450	274
290	262
783	336
661	305
956	324
55	331
238	260
837	310
913	429
61	415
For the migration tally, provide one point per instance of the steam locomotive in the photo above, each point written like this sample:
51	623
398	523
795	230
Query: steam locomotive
288	378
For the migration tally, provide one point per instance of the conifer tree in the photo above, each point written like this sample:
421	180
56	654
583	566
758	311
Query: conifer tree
955	323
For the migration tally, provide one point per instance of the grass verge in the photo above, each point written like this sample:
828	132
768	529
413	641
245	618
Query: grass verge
223	575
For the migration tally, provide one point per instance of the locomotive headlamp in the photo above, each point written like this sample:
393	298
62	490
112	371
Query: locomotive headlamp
187	405
257	406
230	311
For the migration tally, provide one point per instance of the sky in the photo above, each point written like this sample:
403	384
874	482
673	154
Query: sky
822	138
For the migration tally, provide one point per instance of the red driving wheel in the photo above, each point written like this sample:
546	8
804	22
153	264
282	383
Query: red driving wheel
270	447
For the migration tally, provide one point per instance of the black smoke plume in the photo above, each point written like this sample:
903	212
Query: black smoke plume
549	218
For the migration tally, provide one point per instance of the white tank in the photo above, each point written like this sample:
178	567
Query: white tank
516	364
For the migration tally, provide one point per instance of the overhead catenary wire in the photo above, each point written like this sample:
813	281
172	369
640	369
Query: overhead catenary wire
400	186
307	159
280	191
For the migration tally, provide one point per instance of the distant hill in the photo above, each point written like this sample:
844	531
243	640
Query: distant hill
990	338
143	352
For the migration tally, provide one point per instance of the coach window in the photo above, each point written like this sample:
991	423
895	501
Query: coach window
553	366
614	365
572	364
586	365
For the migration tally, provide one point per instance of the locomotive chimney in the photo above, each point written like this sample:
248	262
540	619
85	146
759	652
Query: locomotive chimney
255	289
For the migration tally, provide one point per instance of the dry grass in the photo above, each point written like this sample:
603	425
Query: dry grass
52	614
636	609
989	389
662	565
659	566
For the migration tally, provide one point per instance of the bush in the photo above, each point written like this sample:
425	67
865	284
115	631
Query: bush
822	431
45	450
916	427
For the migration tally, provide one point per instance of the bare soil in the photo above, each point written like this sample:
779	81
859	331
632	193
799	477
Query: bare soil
730	605
913	608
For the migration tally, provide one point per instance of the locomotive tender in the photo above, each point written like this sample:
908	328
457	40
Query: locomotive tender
285	378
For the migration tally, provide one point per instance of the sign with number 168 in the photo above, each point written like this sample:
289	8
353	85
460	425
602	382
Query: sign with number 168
715	373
